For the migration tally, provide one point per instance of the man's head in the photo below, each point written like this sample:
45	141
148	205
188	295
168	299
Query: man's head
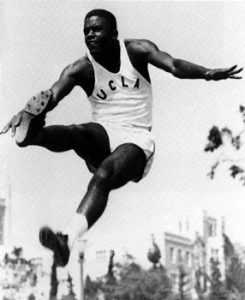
100	30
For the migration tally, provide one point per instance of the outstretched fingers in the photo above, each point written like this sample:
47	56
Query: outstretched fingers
231	72
16	122
13	124
231	68
237	71
6	128
235	77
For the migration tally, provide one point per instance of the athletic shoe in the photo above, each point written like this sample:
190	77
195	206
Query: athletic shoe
30	125
56	242
34	115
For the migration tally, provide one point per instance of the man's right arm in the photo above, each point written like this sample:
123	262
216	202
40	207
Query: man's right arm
61	88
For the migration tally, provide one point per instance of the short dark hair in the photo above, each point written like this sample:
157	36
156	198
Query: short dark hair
104	14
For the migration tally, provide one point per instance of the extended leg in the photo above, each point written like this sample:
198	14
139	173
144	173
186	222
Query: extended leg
89	141
124	164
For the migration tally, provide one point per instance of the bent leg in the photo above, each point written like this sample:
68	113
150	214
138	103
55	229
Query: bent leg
124	164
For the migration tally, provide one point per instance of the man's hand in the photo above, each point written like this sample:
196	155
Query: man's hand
220	74
13	124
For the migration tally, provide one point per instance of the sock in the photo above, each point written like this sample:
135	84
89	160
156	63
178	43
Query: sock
76	228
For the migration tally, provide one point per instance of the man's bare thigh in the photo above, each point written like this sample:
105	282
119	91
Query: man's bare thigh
94	145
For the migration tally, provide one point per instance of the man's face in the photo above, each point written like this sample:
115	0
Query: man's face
98	35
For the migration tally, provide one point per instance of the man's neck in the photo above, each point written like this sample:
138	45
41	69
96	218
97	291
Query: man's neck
111	58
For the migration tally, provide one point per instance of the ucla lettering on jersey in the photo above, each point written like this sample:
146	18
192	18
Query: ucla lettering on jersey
123	98
103	92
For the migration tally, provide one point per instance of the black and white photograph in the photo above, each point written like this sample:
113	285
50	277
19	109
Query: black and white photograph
122	150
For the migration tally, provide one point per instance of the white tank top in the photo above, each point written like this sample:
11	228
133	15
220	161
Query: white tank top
123	98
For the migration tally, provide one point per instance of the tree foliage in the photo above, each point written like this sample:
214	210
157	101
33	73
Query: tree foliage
184	282
218	290
17	273
235	269
230	148
154	253
132	283
53	282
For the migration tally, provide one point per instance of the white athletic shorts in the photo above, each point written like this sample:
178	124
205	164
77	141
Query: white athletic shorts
143	138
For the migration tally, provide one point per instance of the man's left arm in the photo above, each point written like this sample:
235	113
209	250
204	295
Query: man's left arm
184	69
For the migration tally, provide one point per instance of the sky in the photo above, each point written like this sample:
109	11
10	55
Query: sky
40	38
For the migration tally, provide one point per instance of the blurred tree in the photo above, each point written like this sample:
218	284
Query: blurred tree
110	273
154	253
17	252
91	288
20	273
229	149
218	290
184	281
53	282
235	269
132	283
71	294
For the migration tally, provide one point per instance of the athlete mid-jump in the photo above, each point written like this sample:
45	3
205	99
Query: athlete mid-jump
117	145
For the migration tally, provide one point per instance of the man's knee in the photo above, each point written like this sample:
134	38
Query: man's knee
102	177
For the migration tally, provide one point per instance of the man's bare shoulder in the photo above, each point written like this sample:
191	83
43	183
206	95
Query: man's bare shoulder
139	46
81	73
79	68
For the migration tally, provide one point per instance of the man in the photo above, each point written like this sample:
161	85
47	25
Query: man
117	145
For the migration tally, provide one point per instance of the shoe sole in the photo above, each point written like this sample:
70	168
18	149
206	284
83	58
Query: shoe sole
34	107
23	129
48	239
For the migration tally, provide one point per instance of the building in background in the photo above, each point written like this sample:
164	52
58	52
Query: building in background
185	257
178	259
209	249
213	237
